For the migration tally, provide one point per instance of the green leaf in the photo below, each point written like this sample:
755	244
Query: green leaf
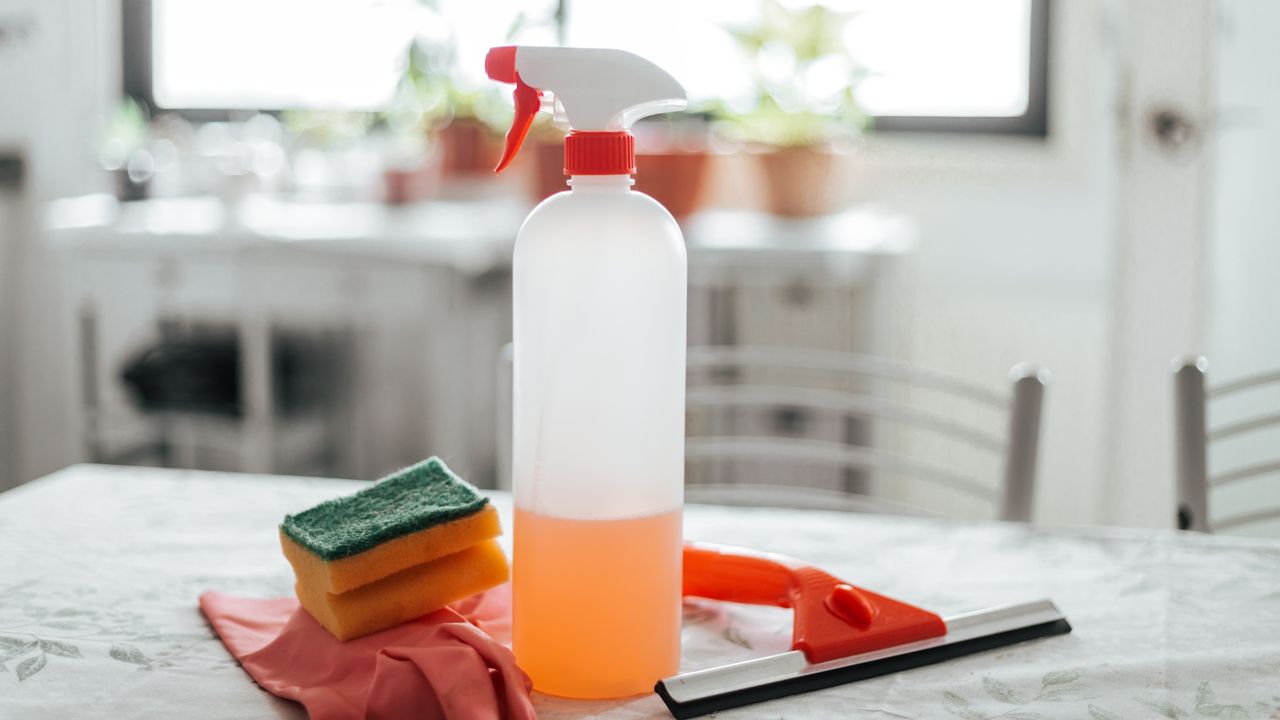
1209	710
958	706
1235	712
1061	677
31	666
1002	692
129	654
61	649
1099	714
1166	709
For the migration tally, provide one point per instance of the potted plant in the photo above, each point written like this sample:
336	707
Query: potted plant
411	157
804	104
471	134
467	122
671	161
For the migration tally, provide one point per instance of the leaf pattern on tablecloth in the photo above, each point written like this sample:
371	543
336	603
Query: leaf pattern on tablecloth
1055	686
31	666
32	653
129	654
42	630
59	648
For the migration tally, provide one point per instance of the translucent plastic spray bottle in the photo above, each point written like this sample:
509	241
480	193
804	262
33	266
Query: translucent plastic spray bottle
599	340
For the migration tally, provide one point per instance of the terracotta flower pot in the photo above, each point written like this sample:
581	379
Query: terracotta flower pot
402	186
469	147
675	179
798	181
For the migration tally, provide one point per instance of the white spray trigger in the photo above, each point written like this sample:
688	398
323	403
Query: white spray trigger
600	89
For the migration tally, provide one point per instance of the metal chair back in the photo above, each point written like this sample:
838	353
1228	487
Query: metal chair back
1194	436
1017	447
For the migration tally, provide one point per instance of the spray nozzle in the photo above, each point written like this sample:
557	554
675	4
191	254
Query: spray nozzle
601	92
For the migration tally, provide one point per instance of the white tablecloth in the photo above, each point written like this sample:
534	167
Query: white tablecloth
100	568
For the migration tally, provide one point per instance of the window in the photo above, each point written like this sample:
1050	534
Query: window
932	65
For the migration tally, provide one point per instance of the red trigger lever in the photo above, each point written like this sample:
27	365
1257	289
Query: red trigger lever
500	65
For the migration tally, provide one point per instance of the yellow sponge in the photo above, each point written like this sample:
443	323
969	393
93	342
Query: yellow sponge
407	594
346	573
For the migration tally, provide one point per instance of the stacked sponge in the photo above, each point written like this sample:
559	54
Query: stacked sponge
412	543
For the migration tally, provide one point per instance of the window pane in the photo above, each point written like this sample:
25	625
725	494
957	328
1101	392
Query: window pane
940	57
280	53
922	57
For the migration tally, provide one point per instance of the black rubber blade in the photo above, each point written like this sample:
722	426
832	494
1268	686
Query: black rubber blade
853	673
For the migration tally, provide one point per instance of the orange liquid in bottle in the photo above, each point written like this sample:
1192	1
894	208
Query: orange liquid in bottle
596	603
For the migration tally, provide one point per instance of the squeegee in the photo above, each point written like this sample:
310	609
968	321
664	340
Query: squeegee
841	634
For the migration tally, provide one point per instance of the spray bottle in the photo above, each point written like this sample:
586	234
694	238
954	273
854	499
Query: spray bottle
598	428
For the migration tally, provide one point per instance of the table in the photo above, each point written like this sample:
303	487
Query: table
100	568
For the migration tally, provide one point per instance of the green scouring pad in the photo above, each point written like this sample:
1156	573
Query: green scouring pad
412	516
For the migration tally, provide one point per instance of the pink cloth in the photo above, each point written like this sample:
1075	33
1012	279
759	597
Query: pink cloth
442	665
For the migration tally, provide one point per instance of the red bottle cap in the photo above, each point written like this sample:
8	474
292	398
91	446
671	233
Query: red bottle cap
599	153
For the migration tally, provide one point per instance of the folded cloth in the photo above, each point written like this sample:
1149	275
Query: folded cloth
441	665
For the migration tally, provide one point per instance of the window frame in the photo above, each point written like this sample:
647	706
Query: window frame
1033	122
136	57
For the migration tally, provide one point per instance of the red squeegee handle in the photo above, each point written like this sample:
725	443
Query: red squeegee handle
833	618
721	572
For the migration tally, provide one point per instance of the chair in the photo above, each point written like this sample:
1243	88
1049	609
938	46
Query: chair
725	367
1193	436
867	403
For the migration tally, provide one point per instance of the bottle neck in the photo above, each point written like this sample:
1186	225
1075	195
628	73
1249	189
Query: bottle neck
601	183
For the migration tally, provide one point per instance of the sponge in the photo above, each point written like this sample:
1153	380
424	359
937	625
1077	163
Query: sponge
410	544
410	517
407	594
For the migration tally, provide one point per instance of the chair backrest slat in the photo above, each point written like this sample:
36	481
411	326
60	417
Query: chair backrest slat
830	360
838	401
1245	472
1247	518
823	452
1244	426
1245	383
790	496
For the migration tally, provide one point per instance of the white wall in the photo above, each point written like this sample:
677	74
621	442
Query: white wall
55	83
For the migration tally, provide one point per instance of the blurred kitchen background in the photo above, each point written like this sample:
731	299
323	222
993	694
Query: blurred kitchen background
264	235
